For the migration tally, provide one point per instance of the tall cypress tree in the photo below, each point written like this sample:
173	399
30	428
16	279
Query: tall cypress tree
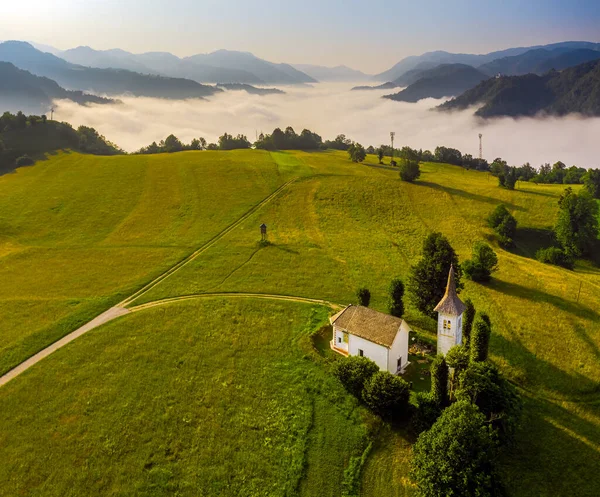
439	381
468	318
480	339
396	305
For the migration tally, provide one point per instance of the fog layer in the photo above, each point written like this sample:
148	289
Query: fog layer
331	109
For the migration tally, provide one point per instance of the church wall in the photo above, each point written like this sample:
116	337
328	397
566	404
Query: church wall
377	353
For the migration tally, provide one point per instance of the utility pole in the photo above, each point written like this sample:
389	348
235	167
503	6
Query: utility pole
392	135
52	113
480	147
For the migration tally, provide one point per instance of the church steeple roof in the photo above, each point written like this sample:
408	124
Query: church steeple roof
450	303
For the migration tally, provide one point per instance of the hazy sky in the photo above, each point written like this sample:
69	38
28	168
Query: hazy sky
367	35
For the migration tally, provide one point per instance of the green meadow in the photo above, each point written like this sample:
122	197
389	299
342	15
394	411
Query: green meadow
226	395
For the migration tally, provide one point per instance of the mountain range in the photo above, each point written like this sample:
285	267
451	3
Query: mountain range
333	74
21	90
573	90
100	81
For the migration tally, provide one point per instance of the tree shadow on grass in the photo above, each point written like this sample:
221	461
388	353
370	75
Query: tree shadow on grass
555	453
529	240
534	295
469	196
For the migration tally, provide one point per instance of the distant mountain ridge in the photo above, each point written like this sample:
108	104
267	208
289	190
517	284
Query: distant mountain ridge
446	80
222	66
475	60
333	74
21	90
573	90
102	81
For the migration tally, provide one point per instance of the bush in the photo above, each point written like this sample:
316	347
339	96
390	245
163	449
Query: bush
353	372
425	413
483	263
468	318
24	160
387	395
409	170
456	456
555	256
364	297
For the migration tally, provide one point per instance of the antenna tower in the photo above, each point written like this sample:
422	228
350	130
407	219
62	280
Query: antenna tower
52	113
480	147
392	135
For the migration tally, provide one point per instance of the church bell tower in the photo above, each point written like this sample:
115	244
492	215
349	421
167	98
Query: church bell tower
450	316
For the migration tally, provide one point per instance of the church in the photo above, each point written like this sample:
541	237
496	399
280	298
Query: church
360	331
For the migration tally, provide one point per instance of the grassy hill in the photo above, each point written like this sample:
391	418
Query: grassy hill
224	395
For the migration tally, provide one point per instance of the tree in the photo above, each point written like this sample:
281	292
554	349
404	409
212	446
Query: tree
577	225
195	144
387	395
173	144
380	155
468	318
396	304
357	152
482	384
426	412
428	278
484	261
354	372
457	359
456	456
228	142
409	170
504	224
480	339
591	180
439	381
363	296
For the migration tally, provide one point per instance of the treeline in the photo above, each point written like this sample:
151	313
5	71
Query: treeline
22	136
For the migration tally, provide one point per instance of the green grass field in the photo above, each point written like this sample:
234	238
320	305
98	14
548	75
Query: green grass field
80	233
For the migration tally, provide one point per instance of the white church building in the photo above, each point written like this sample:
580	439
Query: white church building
360	331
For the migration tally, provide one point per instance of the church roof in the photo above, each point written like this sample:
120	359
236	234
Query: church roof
366	323
450	303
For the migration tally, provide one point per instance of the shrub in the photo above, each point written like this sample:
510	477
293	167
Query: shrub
364	297
555	256
409	170
387	395
357	153
456	456
425	413
24	160
353	372
483	263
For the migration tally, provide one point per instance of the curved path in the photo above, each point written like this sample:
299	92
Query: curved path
120	308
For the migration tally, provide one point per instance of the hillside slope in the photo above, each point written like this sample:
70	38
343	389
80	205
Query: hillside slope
104	81
445	80
574	90
21	90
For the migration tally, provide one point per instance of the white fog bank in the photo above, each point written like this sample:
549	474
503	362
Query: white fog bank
331	109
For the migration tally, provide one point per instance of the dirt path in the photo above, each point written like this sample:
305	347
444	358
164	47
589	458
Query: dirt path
266	296
105	317
120	309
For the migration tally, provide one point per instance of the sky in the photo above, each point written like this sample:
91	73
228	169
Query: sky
367	35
